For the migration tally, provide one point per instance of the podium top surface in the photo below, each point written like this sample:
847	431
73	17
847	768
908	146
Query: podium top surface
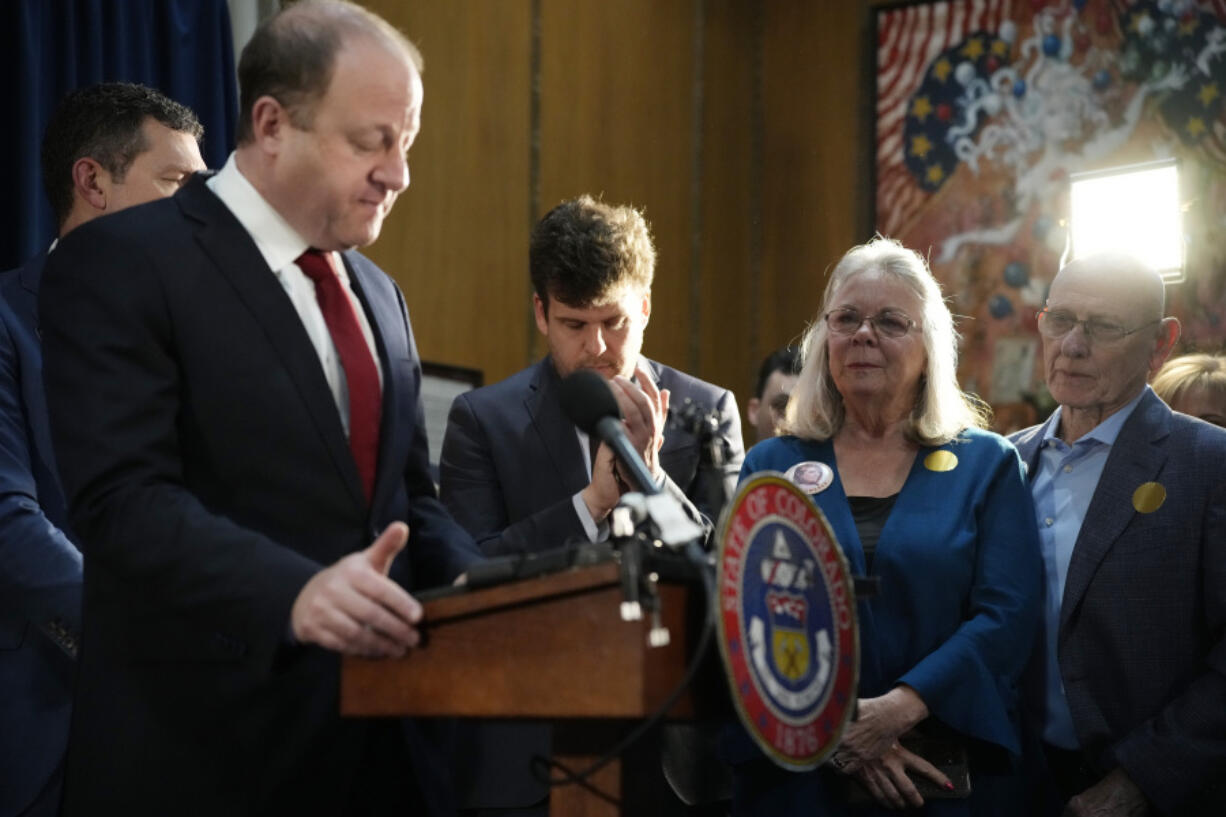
550	647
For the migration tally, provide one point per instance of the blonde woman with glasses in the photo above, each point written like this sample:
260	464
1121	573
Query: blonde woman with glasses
919	494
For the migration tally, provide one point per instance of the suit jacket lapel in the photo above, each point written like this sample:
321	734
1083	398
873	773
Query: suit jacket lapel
226	243
24	302
25	307
1134	459
556	431
31	273
653	369
834	503
1029	444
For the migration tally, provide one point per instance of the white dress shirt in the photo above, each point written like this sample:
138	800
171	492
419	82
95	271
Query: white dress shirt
281	245
596	532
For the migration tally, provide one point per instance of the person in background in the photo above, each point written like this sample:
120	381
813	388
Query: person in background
1194	385
514	470
234	395
107	147
521	477
918	494
1126	693
776	379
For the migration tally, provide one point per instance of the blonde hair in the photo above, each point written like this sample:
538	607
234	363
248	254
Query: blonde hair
942	410
1188	374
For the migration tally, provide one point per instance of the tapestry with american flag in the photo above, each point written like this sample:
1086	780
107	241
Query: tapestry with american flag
983	110
909	41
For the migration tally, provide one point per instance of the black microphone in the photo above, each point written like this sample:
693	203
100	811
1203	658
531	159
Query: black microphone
589	403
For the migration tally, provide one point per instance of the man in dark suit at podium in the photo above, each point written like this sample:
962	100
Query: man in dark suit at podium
234	401
521	477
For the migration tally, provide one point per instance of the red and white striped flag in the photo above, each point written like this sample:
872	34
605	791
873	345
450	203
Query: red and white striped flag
908	40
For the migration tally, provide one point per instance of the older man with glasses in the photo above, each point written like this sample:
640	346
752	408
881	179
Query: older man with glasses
1128	692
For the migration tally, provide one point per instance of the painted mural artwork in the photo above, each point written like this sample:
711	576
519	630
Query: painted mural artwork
984	108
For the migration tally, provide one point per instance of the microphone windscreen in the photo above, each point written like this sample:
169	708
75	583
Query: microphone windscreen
587	399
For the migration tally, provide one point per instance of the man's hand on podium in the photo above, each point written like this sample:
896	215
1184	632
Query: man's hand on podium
352	607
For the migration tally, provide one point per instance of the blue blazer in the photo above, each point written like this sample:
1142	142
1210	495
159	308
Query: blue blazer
40	567
959	565
1142	639
511	464
958	607
208	474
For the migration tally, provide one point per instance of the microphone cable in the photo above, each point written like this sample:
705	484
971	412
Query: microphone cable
543	767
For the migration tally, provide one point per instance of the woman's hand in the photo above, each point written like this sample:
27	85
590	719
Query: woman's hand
877	727
886	778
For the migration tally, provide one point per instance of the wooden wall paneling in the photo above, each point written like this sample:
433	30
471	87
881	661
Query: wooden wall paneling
617	101
615	119
815	162
730	195
698	71
457	241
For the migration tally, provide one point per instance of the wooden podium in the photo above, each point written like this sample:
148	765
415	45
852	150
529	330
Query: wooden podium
552	648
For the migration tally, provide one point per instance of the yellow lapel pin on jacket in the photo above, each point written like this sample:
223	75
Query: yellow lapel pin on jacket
941	461
1148	497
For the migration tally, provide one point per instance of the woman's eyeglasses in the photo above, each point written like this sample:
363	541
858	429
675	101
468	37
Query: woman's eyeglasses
889	323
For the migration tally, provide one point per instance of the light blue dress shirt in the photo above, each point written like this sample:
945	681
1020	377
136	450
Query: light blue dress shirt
1062	489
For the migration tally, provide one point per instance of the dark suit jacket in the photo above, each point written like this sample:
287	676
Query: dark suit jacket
511	462
510	467
40	567
1142	641
209	478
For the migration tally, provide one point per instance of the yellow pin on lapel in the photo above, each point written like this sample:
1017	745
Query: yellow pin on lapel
941	461
1148	497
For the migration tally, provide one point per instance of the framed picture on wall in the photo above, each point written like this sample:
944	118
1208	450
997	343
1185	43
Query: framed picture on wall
983	110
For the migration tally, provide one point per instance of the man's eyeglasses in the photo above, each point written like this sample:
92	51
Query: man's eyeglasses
889	323
1055	324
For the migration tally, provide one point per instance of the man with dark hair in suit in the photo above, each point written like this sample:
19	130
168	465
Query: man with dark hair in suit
1128	692
520	476
107	147
114	145
776	379
234	401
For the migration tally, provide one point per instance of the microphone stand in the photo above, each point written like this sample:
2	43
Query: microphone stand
644	526
714	452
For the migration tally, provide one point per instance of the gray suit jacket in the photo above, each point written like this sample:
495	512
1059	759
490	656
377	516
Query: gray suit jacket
1142	641
510	467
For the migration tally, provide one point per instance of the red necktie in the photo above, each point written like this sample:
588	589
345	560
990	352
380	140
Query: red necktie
361	376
